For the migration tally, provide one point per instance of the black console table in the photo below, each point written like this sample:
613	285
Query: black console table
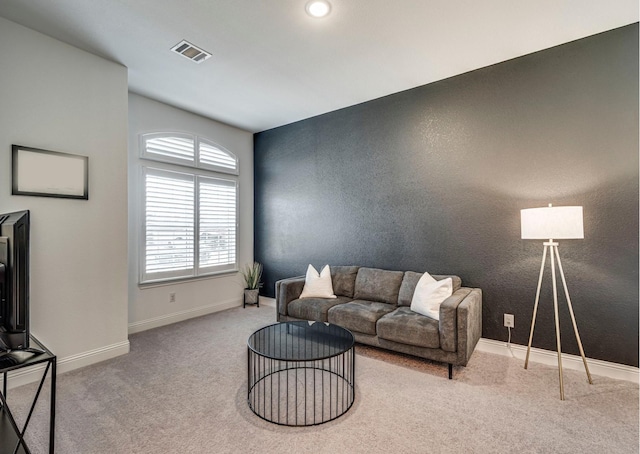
11	435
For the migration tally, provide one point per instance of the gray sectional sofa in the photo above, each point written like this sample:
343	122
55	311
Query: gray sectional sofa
374	305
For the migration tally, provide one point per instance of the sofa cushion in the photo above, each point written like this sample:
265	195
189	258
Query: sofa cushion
407	327
378	285
344	279
359	315
314	308
411	278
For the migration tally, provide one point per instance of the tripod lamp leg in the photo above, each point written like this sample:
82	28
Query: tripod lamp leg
535	306
573	317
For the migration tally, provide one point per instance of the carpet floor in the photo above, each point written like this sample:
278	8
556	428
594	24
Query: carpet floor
182	389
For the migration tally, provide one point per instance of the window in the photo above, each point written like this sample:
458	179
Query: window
188	150
189	214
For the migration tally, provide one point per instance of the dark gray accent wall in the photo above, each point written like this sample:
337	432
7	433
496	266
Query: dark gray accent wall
434	178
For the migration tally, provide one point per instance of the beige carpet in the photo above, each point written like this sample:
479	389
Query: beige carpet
182	389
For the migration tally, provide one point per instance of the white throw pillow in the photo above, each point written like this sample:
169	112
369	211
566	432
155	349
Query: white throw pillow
429	295
318	285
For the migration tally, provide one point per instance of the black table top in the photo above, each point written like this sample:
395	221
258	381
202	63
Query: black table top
301	341
17	359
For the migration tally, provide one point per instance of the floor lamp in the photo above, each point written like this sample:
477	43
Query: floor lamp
553	223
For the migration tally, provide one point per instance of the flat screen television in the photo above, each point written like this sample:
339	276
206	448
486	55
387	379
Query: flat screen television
14	281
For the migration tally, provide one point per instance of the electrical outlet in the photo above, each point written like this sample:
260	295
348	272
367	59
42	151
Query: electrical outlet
509	321
172	297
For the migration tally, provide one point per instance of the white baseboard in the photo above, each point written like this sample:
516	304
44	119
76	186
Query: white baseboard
174	317
573	362
68	363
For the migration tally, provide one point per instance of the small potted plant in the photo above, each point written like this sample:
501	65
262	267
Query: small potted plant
252	275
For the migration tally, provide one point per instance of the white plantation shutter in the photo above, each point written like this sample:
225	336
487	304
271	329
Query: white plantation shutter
175	148
188	150
212	156
190	219
217	223
169	224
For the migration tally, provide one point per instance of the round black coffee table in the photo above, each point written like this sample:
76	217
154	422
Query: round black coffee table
301	373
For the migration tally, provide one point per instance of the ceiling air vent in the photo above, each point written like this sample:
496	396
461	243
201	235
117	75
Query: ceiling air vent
193	53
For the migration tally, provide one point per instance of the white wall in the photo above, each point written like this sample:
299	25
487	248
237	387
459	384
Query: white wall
149	307
56	97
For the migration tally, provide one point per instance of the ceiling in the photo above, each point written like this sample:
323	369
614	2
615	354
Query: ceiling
273	64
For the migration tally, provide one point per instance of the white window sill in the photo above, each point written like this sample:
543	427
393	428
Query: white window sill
184	280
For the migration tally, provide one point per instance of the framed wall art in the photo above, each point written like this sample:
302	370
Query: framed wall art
47	173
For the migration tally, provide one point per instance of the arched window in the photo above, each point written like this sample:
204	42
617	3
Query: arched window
190	211
188	150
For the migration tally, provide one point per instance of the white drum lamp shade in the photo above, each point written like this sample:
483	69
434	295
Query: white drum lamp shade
558	223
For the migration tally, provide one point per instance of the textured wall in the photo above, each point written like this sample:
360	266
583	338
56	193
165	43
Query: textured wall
434	178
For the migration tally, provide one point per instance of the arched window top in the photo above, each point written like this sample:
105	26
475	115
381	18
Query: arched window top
188	150
214	155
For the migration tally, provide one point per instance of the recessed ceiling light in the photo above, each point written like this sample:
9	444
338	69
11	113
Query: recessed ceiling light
318	8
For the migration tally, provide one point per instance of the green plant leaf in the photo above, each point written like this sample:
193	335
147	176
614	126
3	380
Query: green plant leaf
252	273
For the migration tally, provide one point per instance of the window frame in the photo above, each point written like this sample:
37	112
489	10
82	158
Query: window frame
163	275
196	162
213	167
215	269
159	164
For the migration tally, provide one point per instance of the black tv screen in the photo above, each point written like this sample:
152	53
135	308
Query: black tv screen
14	281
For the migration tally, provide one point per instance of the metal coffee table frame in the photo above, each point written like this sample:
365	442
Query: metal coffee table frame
301	373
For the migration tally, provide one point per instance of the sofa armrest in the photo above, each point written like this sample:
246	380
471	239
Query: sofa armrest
469	325
288	290
448	323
